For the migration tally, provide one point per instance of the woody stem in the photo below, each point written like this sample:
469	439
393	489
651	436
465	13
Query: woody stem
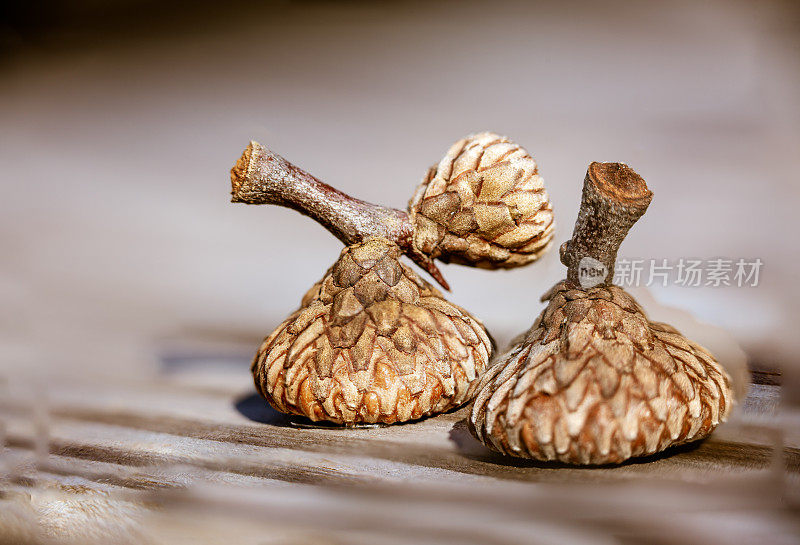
263	177
614	197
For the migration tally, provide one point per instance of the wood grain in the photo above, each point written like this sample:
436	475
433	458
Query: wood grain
157	462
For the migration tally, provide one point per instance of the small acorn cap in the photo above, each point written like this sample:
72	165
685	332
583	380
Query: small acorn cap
594	381
372	343
483	205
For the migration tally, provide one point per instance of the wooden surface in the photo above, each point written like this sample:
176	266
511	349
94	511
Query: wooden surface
203	459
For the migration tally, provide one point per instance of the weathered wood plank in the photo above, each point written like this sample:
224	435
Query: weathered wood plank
181	451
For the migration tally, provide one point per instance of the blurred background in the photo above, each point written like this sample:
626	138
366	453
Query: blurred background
120	121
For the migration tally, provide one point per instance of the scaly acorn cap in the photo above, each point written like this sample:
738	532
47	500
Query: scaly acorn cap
483	205
372	342
594	381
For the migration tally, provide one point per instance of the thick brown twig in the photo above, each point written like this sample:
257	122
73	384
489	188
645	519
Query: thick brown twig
263	177
614	197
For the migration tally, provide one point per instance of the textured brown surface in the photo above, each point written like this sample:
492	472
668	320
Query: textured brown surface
372	342
594	382
483	205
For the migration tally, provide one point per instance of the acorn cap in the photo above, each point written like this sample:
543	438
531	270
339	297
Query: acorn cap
483	205
372	342
594	381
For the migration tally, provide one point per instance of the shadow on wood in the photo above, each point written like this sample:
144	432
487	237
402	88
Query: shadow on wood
255	408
